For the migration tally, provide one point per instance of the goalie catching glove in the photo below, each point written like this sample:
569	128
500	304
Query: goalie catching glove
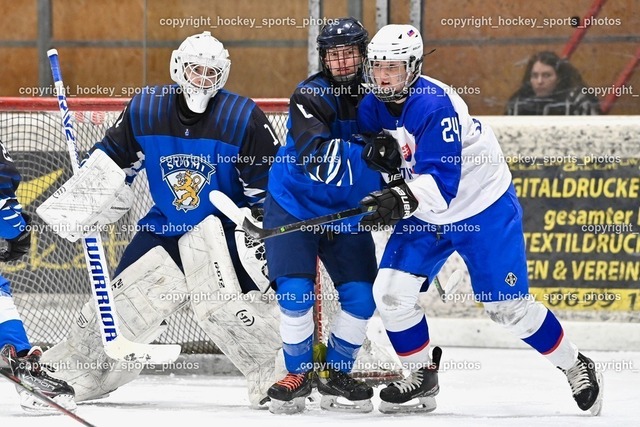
96	195
391	205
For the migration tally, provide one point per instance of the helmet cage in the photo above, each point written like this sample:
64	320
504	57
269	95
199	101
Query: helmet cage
410	69
342	33
201	68
357	55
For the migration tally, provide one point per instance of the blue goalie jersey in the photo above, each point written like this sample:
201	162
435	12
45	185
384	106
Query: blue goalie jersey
228	148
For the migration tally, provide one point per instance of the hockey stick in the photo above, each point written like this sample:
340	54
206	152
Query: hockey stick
115	344
235	214
43	397
452	285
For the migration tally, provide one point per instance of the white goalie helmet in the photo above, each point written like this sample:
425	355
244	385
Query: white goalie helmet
201	67
398	50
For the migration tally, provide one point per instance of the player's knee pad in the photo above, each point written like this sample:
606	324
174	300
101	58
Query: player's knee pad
244	326
295	294
396	294
356	298
521	316
145	293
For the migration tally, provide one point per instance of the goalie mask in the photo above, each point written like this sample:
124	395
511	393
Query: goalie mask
394	61
201	67
342	47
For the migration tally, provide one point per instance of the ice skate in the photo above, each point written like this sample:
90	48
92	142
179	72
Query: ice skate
421	384
288	395
355	396
587	386
29	371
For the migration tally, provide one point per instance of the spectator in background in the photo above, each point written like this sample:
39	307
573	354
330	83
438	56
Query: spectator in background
551	86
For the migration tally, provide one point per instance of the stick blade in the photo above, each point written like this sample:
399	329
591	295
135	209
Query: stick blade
454	282
152	354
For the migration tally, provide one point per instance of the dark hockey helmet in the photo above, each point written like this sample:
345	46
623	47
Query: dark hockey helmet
342	32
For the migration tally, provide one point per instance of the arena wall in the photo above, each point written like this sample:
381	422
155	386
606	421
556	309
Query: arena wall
110	48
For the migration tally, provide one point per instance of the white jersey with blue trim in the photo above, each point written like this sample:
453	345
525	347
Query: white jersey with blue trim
453	162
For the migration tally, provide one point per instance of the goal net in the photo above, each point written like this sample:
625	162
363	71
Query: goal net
52	284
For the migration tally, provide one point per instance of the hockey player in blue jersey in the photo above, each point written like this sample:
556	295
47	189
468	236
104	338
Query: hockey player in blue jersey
320	171
191	138
16	353
456	195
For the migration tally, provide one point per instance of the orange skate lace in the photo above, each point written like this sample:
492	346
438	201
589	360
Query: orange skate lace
292	381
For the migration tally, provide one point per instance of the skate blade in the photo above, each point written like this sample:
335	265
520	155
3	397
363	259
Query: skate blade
331	403
33	405
287	407
424	405
596	408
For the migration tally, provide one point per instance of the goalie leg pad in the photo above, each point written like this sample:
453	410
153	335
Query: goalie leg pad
96	195
145	293
244	326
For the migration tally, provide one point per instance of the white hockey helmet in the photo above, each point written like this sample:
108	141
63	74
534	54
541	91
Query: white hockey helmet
395	43
201	67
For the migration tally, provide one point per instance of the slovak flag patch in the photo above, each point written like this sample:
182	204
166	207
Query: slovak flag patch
406	153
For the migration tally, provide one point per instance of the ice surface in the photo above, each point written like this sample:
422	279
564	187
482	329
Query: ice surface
479	387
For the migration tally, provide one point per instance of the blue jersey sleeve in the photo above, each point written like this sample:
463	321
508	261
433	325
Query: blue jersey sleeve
313	128
368	118
258	150
11	221
120	144
438	148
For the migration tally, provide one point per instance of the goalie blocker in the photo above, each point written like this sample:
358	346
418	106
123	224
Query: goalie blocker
96	195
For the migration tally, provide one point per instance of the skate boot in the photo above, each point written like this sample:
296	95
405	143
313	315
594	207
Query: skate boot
288	395
333	384
421	384
587	386
29	371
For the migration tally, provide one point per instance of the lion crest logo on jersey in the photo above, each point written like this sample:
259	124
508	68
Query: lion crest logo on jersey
186	175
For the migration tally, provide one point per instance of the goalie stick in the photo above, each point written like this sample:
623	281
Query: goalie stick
235	214
115	344
43	397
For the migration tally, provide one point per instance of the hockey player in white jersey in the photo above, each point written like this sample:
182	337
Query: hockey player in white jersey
191	137
455	194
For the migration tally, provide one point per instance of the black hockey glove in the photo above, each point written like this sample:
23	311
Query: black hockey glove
381	153
18	246
391	205
257	212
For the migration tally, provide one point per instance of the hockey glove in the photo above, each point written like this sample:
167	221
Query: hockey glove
381	153
391	205
18	246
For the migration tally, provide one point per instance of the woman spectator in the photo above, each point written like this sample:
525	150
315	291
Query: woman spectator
552	86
